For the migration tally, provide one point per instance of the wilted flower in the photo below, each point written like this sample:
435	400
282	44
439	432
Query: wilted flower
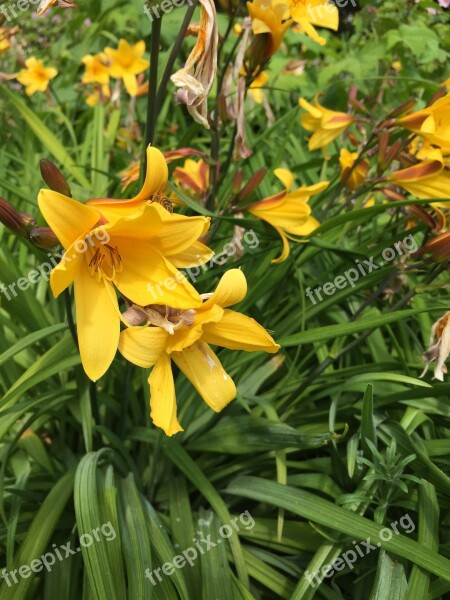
126	63
45	5
197	76
35	77
308	13
183	336
288	212
325	124
438	350
357	175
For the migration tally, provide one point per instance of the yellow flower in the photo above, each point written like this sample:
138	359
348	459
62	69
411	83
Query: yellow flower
268	21
255	89
97	70
193	177
428	179
5	33
433	122
183	336
325	124
126	63
133	254
288	212
397	66
314	12
35	77
359	173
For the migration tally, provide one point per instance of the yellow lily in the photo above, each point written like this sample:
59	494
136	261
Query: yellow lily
288	212
35	77
126	63
428	179
358	175
268	21
97	70
433	122
153	192
193	178
325	124
308	13
184	337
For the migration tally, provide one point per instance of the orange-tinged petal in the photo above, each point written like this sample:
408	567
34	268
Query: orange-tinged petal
239	332
98	323
203	369
143	346
163	403
68	218
232	289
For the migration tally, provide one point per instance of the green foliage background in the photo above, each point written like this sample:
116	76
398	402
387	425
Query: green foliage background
289	449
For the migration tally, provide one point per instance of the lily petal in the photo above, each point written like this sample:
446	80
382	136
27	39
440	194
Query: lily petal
203	369
232	289
239	332
98	323
143	346
65	271
69	219
163	402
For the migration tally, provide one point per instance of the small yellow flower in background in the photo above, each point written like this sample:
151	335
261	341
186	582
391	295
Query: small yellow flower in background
255	90
97	69
193	178
288	212
358	175
314	12
325	124
126	63
35	77
397	66
432	123
5	34
268	21
439	347
428	179
183	336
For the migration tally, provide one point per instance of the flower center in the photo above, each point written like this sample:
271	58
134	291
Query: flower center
104	262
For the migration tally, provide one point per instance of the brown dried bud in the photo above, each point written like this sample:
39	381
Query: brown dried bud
43	237
54	178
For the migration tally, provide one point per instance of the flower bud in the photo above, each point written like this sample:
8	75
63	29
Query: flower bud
17	222
43	237
54	178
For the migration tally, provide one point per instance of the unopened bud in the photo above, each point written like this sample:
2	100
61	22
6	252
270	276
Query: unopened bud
19	223
402	109
43	237
439	247
54	178
251	185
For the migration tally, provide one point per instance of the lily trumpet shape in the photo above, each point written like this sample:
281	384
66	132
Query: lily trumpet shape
183	336
288	212
325	124
132	254
433	122
153	192
126	62
428	179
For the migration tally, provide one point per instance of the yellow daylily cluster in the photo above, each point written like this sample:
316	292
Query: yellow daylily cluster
325	124
124	63
127	253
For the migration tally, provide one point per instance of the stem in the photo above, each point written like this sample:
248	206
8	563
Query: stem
153	81
173	56
70	321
